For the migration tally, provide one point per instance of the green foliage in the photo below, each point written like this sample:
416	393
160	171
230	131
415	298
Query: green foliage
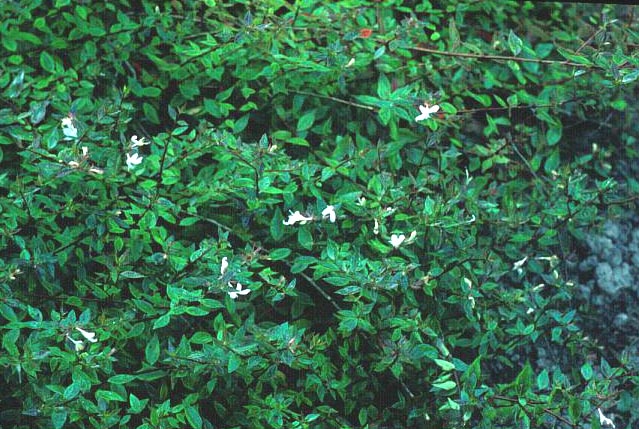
253	111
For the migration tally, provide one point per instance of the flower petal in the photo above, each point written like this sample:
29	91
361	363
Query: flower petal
90	336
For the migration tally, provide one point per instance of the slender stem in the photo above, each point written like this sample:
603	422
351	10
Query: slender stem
339	100
497	57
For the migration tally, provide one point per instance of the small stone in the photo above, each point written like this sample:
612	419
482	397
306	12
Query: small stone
612	230
621	320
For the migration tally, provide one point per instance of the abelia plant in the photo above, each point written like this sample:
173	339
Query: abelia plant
310	215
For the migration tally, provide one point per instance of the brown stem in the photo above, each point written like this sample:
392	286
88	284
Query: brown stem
497	57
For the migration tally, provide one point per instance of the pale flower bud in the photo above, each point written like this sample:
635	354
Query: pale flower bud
90	336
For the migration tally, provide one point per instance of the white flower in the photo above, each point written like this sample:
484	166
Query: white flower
361	201
138	142
427	111
603	420
518	264
96	170
69	130
90	336
412	236
132	160
329	213
78	346
238	290
296	217
350	63
376	228
85	152
224	266
397	240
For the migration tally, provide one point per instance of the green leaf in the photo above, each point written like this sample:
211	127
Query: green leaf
136	404
233	363
8	313
59	417
131	275
193	417
619	104
122	378
445	365
446	385
542	380
162	321
553	135
9	340
276	227
108	395
47	62
306	121
301	263
152	350
515	43
383	87
586	371
71	391
575	58
544	49
304	238
151	113
201	337
279	254
552	162
630	77
151	91
38	112
349	290
448	108
483	99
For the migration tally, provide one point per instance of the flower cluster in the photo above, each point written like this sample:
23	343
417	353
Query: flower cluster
82	162
397	240
236	290
134	159
78	345
297	217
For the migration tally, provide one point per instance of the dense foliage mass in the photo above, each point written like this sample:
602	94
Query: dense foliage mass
308	214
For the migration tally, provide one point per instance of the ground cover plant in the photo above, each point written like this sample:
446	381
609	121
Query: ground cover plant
272	214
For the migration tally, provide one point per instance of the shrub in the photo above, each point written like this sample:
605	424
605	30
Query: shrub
287	246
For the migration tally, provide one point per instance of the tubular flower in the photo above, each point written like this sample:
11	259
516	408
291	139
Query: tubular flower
138	142
238	290
78	346
90	336
132	160
296	217
605	421
397	240
69	130
224	265
517	266
426	112
329	213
